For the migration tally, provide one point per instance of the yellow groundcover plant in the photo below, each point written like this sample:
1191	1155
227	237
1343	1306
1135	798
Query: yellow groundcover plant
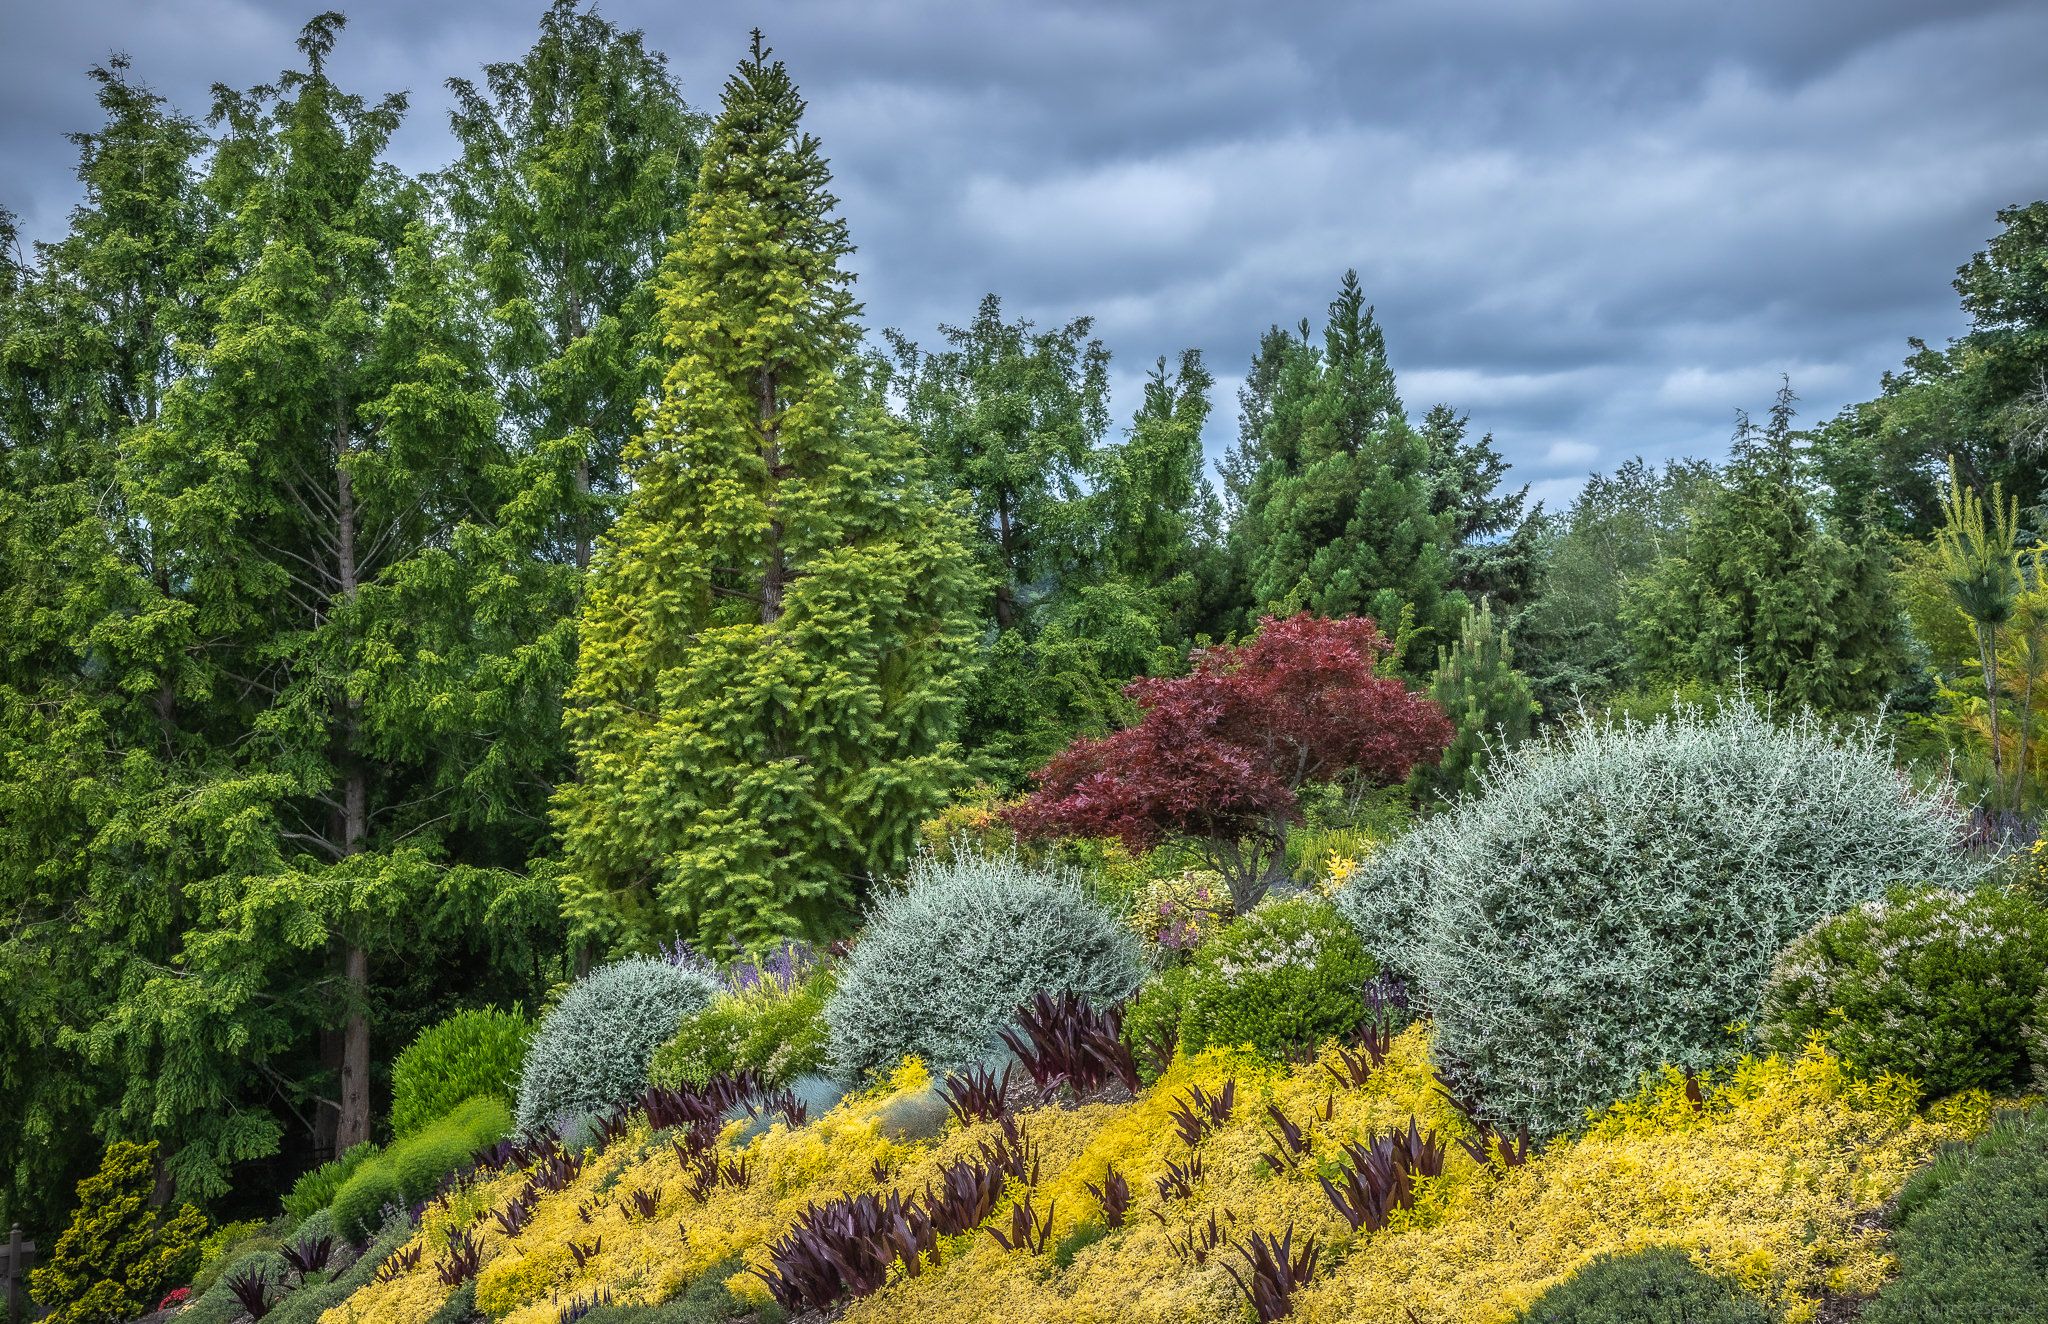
1769	1175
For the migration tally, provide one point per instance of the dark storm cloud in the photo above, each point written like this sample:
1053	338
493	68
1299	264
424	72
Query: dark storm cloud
1597	228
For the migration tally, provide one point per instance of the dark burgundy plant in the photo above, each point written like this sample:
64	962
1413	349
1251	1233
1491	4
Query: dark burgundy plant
556	1169
1114	1195
1028	1232
1197	1241
251	1290
463	1261
976	1094
612	1127
1159	1045
880	1170
795	1112
583	1254
1290	1142
579	1306
1490	1145
1179	1181
1013	1153
842	1248
967	1194
1202	1112
1220	755
1420	1151
640	1202
1061	1040
513	1218
1274	1272
399	1263
1378	1178
309	1256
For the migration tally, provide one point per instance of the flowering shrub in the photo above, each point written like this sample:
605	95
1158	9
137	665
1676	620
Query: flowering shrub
1614	899
471	1053
591	1052
945	961
1931	983
1284	978
1660	1285
1179	911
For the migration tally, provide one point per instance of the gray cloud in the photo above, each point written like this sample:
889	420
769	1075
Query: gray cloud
1598	228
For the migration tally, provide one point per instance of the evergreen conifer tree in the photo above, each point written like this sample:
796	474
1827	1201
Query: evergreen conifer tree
1487	700
775	627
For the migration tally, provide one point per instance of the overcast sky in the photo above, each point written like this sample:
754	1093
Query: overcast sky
1597	228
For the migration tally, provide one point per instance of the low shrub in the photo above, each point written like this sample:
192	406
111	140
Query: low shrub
1613	900
225	1244
591	1052
411	1169
1282	979
470	1054
1660	1285
315	1190
119	1255
217	1304
946	960
1935	984
1969	1239
777	1031
310	1300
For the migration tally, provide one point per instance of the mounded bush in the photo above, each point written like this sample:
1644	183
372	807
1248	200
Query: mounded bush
591	1052
775	1031
119	1254
315	1190
1660	1285
1969	1239
1931	983
1614	898
412	1168
1154	1016
945	960
470	1054
1284	978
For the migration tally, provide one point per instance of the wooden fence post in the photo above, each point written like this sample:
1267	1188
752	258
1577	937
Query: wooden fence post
21	1255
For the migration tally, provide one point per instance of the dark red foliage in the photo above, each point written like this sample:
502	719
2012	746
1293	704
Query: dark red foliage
1220	755
251	1289
1274	1272
399	1263
309	1256
1028	1232
464	1260
1202	1112
1114	1195
1064	1041
1378	1179
976	1094
844	1248
967	1194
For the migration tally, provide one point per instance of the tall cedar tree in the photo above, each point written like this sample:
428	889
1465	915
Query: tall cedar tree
774	630
322	474
100	712
575	168
1765	590
1493	536
1220	755
1332	489
1014	417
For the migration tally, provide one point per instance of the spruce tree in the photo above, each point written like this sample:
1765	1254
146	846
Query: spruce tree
1765	593
1493	547
1487	700
1159	517
775	627
1331	487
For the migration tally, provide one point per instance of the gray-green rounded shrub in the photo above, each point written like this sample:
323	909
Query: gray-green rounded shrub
944	961
591	1052
1613	899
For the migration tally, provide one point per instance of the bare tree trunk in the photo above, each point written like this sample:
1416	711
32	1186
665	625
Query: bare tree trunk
1987	649
353	1126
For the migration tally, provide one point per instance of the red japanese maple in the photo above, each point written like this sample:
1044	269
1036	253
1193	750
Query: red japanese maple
1219	756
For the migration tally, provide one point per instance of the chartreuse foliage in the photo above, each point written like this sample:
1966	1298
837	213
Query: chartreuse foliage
1937	984
1768	1175
471	1054
776	1030
314	1190
775	627
120	1254
411	1168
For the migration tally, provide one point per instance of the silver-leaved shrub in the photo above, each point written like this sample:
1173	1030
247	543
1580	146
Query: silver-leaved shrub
591	1052
944	961
1612	899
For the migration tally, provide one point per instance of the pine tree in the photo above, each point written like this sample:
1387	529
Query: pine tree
575	167
1764	593
775	626
1487	700
1331	487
